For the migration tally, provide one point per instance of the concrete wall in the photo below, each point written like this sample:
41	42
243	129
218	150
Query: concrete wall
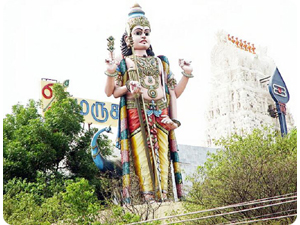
191	157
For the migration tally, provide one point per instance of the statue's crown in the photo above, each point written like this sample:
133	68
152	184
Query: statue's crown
136	17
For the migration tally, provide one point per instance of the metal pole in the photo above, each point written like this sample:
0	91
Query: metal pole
281	115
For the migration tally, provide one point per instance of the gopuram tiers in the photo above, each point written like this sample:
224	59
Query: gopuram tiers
240	99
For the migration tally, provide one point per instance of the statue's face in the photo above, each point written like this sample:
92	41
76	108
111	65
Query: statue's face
141	37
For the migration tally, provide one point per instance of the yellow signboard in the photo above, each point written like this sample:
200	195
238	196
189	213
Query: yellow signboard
95	112
47	95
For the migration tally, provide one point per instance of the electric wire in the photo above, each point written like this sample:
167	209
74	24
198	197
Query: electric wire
265	219
259	201
257	217
229	213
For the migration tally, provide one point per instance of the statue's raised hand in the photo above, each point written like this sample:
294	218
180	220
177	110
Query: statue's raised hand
186	66
111	63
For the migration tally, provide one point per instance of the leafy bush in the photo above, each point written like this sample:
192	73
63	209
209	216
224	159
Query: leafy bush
23	202
81	200
260	165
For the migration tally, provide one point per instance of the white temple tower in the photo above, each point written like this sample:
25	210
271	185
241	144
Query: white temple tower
240	98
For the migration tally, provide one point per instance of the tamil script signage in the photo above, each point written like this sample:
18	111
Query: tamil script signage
95	112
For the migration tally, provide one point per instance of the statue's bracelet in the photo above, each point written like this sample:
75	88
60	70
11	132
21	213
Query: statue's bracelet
187	75
177	122
111	74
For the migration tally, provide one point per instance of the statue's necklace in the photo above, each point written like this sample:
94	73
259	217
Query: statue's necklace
150	80
148	68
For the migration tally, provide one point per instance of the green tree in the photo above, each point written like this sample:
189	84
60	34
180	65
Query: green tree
79	159
32	143
259	165
79	162
27	146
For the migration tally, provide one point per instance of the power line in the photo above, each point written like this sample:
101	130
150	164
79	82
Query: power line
265	219
233	212
271	214
257	217
259	201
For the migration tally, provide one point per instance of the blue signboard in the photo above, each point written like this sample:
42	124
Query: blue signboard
281	96
278	89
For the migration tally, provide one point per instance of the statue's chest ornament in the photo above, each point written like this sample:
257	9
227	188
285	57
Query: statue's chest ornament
149	71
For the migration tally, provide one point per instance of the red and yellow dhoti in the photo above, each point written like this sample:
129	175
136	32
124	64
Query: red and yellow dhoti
159	135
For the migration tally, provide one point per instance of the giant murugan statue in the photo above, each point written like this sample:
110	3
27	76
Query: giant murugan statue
148	93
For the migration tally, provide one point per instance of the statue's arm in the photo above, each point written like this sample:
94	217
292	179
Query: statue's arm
131	86
171	83
171	119
187	74
180	87
112	73
109	86
113	87
113	84
119	91
173	104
